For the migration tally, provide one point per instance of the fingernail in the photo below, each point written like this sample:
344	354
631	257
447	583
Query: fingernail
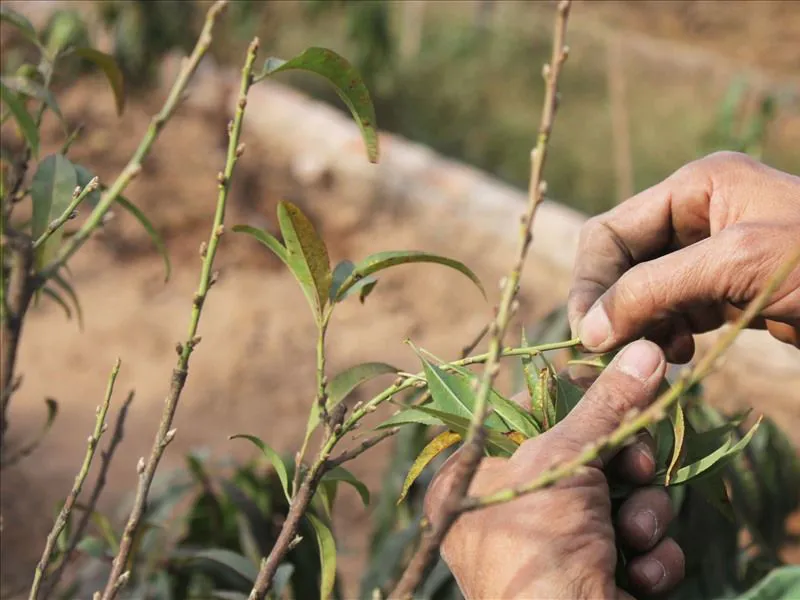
595	328
645	521
639	360
653	572
646	456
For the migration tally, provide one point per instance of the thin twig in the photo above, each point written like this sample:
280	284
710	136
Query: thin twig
361	448
469	348
66	510
655	412
78	197
105	462
472	451
134	166
165	432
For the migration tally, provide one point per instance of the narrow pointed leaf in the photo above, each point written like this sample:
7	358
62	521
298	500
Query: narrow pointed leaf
69	290
19	21
50	293
343	384
26	123
435	447
714	461
33	89
265	238
341	272
52	187
307	255
568	397
496	441
676	418
782	583
364	287
272	456
342	474
151	231
346	81
327	556
227	559
384	260
111	70
409	416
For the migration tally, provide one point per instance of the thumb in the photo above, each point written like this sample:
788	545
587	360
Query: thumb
731	266
629	383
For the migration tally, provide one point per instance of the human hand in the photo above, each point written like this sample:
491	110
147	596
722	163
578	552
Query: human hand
560	542
686	255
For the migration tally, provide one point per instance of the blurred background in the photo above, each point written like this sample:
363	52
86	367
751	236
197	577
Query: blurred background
649	86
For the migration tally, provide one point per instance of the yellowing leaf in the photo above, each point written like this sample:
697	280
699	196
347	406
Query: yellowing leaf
435	447
676	417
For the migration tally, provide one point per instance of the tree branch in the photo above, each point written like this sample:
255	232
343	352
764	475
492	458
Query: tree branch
165	432
472	451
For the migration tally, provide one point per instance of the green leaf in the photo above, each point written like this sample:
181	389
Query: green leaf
364	287
52	187
346	81
227	559
68	289
26	123
714	461
282	577
92	546
265	238
568	395
151	231
782	583
409	416
50	293
111	70
341	272
452	393
496	442
344	383
307	256
327	556
676	418
272	456
435	447
384	260
14	18
33	89
342	474
84	177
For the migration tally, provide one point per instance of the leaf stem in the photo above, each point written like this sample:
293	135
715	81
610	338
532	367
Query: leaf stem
69	503
165	432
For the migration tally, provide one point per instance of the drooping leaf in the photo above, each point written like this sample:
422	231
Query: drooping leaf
53	295
676	418
272	456
52	187
364	287
33	89
409	416
327	556
151	231
453	394
231	561
265	238
307	255
346	81
19	21
110	69
384	260
344	383
342	474
24	120
496	442
714	461
341	272
435	447
70	292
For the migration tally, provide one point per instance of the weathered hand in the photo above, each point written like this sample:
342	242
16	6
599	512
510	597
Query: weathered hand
684	255
560	542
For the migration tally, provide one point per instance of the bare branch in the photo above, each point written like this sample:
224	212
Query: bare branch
361	448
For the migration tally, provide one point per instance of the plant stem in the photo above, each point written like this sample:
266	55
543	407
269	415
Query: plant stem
67	214
361	448
91	504
472	451
66	510
134	165
179	374
655	412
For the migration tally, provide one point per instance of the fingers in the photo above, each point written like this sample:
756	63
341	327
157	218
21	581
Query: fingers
659	570
629	382
637	230
644	517
636	463
733	266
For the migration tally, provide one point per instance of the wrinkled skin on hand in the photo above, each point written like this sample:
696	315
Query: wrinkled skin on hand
688	254
560	542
